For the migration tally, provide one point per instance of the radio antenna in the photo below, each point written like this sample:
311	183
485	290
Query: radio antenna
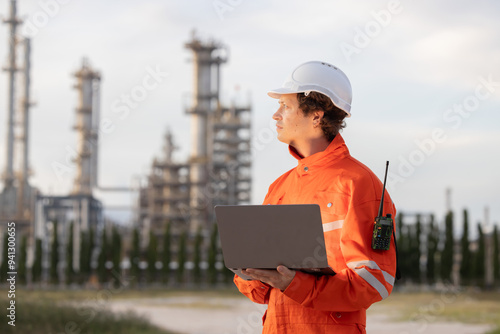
381	207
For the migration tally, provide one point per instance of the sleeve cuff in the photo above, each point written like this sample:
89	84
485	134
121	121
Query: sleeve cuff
300	287
259	288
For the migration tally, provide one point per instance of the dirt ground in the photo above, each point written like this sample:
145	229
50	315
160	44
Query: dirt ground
228	315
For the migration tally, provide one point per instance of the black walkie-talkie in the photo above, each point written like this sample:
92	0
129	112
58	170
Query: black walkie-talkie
383	226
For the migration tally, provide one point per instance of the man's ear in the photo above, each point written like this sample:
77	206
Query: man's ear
317	116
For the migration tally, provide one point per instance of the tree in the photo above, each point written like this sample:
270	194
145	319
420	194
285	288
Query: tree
116	248
416	253
5	258
167	254
135	256
54	255
479	257
69	255
36	270
90	250
399	223
197	256
228	275
432	246
403	246
181	257
466	263
84	256
86	250
410	260
212	256
446	264
409	249
496	255
103	258
21	269
152	256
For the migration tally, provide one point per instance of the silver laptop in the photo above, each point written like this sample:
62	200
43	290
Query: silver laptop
265	236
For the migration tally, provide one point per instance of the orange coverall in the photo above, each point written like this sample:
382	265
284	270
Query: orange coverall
348	194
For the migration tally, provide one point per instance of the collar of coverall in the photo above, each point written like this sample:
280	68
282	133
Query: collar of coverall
335	150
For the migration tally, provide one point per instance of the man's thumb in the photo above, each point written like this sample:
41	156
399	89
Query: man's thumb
284	271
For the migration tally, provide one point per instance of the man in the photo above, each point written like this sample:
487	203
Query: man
313	103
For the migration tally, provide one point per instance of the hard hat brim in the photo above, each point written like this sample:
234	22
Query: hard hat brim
276	94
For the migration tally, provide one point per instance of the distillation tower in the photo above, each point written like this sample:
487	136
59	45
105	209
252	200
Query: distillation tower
87	127
17	196
166	196
218	169
207	59
80	207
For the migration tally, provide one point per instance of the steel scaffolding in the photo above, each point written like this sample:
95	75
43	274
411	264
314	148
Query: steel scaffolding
218	170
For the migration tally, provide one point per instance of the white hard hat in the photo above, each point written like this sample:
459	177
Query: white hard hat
321	77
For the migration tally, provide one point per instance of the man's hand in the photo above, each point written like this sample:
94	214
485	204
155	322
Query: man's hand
279	278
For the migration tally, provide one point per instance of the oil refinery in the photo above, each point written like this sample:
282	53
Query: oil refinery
179	194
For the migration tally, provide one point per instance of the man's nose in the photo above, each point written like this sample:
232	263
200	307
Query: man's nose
277	115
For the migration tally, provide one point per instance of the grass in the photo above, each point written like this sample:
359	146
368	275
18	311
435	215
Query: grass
55	295
49	312
454	306
56	311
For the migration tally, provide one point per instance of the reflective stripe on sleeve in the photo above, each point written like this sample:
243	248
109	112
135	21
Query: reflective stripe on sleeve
372	265
366	263
368	277
333	225
373	281
388	277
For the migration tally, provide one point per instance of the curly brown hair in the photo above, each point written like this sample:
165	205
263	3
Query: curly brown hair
333	118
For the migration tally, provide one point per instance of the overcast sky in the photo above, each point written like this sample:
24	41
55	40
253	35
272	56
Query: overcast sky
425	78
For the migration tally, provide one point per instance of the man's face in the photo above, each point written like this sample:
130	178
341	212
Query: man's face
292	125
